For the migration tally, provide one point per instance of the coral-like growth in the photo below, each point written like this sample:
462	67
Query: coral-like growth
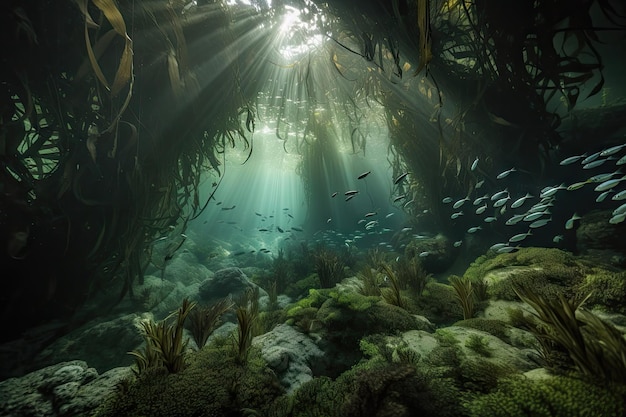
164	342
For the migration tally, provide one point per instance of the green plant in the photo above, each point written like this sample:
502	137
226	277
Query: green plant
392	294
464	294
479	344
247	311
370	282
203	320
164	342
412	275
328	267
595	347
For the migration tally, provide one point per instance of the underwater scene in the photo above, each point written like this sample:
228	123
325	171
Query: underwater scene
313	208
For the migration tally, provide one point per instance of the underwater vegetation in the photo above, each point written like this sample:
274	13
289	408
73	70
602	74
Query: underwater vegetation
165	346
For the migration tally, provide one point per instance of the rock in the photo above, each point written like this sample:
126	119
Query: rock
65	389
103	343
225	282
186	270
501	352
595	232
439	251
290	354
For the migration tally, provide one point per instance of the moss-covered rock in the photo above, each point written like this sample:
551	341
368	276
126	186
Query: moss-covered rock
438	303
607	289
497	328
212	384
553	397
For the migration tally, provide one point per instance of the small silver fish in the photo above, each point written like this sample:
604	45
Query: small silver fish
389	215
505	174
607	185
572	159
490	219
456	215
460	203
480	199
499	194
590	158
363	175
603	196
507	249
520	201
550	191
540	223
515	219
474	229
534	216
612	150
597	163
424	254
519	237
497	246
447	200
557	238
474	164
570	223
619	196
479	184
457	243
501	201
481	210
621	209
618	218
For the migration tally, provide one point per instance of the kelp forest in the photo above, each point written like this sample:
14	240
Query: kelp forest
114	113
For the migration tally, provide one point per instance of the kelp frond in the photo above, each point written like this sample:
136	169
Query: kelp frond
204	319
464	292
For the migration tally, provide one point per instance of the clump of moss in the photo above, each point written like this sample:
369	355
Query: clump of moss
301	287
438	303
553	397
376	388
497	328
607	290
479	344
213	384
550	266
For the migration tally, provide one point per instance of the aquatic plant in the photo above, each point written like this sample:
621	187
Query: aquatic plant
370	281
479	344
375	258
464	295
412	275
393	293
596	348
247	311
164	342
204	319
328	267
212	384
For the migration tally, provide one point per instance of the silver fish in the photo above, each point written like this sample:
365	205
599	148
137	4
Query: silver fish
619	196
480	199
474	229
447	200
612	150
506	173
499	195
515	219
490	219
457	243
518	203
479	184
590	158
572	159
618	218
519	237
456	215
474	164
597	163
534	216
363	175
557	238
570	223
481	210
502	201
498	246
621	161
550	191
507	249
607	185
540	223
603	196
460	203
621	209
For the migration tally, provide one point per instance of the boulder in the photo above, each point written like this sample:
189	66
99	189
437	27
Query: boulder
596	233
65	389
225	282
103	343
293	356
